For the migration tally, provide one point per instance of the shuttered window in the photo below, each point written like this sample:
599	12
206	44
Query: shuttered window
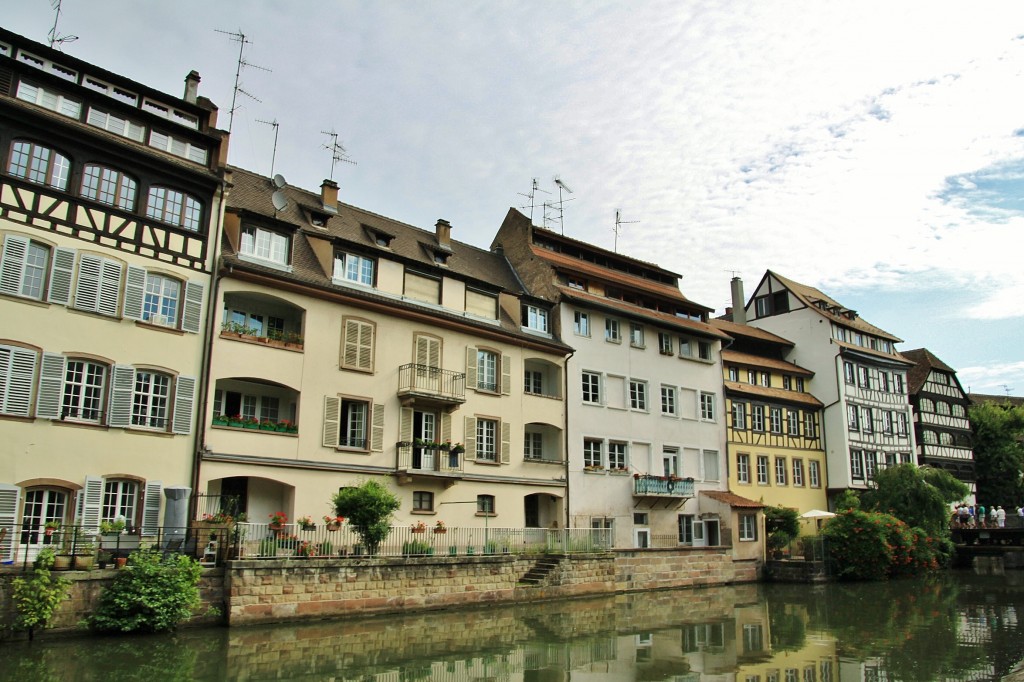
481	304
357	344
17	373
422	288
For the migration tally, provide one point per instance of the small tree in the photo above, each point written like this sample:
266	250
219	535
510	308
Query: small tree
918	497
152	594
998	435
782	525
38	596
369	508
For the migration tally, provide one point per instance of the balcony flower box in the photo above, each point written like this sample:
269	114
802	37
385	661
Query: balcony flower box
267	425
251	423
220	420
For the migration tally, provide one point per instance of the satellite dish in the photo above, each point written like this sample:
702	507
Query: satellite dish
279	181
279	199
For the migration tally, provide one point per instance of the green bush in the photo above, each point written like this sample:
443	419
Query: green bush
38	596
151	594
858	545
416	547
368	508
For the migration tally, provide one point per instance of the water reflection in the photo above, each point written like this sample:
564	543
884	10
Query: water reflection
955	627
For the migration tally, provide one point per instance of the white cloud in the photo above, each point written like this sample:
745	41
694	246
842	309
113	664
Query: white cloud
993	379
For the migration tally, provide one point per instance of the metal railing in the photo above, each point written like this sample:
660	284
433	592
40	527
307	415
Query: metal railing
77	548
430	459
646	484
442	383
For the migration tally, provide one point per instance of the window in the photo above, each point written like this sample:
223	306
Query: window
743	468
353	427
349	267
685	524
734	374
710	465
109	187
177	146
581	324
867	424
814	472
775	419
942	407
757	417
870	465
685	349
39	164
668	400
704	350
798	472
787	382
487	440
84	384
49	99
945	438
592	453
487	371
883	381
780	471
901	423
533	445
751	377
665	343
17	377
536	319
160	302
616	455
793	422
886	421
120	499
800	384
707	407
23	267
897	383
762	470
848	372
958	410
150	399
810	425
533	382
852	418
766	379
177	208
748	527
926	405
577	283
592	388
929	437
357	344
638	395
422	501
863	377
115	124
636	335
485	505
265	245
479	303
739	416
611	331
856	464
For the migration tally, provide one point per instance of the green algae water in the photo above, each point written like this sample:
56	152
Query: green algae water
956	626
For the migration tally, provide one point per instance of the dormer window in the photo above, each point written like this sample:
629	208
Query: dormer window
578	283
441	258
265	245
349	267
535	318
48	99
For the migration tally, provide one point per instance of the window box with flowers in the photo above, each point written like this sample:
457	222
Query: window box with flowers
419	527
306	523
440	528
267	425
277	520
250	423
333	523
236	420
593	468
221	420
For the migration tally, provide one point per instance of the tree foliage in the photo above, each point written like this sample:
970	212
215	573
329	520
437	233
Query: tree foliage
782	526
918	497
875	546
369	508
39	595
151	594
998	431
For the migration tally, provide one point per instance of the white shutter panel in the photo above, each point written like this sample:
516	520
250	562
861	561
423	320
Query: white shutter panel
471	367
422	350
87	286
506	442
12	264
332	421
184	401
377	433
192	309
61	271
17	371
10	496
151	508
90	503
470	438
122	385
350	344
134	292
110	287
506	375
51	386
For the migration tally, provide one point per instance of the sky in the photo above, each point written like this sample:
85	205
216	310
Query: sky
874	150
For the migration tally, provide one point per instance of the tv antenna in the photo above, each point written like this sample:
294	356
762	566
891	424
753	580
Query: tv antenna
619	222
338	152
242	41
273	156
1006	390
56	39
561	202
534	188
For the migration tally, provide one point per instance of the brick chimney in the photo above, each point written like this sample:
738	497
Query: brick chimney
444	233
329	196
739	311
191	86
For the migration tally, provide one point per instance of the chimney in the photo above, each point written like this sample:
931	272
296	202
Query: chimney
444	233
739	311
329	196
192	86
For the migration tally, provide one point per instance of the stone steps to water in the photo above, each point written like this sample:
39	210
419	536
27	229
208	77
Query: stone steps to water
541	569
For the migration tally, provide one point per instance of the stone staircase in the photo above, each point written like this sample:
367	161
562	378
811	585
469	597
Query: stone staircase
541	569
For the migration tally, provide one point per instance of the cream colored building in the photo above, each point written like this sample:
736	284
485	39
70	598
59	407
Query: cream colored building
109	204
366	346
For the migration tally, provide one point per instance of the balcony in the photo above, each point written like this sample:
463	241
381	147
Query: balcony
434	460
423	385
653	489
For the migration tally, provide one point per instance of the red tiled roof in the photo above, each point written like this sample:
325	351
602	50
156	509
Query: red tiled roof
732	499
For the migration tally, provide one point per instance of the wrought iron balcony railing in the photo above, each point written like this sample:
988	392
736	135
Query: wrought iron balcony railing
646	485
424	381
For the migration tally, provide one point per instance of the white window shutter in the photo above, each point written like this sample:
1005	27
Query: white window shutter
350	344
405	428
110	287
90	503
366	338
332	421
87	286
10	497
471	366
506	443
17	375
151	508
51	386
122	385
61	274
377	432
134	292
12	264
506	375
184	402
470	438
192	309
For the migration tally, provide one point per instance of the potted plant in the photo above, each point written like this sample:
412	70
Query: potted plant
236	420
115	527
283	426
333	523
50	527
85	556
267	425
277	520
418	527
306	523
251	423
305	549
439	527
220	420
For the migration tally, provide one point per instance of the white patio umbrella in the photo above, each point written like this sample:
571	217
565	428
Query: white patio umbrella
816	514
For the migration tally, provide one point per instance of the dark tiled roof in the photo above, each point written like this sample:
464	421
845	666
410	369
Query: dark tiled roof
924	361
766	393
751	360
891	357
635	311
732	499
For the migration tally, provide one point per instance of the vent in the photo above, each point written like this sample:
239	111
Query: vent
6	80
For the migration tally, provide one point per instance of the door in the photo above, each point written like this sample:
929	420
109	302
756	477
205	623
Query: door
531	511
642	537
41	506
670	463
424	428
711	533
698	534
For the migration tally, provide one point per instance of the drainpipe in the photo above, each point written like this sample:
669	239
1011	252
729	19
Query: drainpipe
565	402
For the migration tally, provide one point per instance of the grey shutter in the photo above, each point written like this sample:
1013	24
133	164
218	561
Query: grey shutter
17	373
122	385
377	431
471	367
332	421
10	497
446	427
192	308
506	375
90	503
12	264
61	273
470	438
151	508
184	402
51	386
134	292
506	443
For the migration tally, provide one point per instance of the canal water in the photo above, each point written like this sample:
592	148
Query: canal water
956	626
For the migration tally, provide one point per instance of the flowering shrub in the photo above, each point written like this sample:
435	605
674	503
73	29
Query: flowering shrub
875	546
278	518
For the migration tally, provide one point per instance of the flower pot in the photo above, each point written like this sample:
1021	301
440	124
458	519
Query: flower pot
281	428
418	530
220	421
308	526
62	562
276	527
292	429
84	562
121	561
48	531
440	531
254	427
236	424
268	427
333	527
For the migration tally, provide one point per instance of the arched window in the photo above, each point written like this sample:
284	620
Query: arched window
39	164
174	207
929	437
108	186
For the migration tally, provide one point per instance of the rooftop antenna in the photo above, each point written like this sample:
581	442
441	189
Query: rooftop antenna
561	202
56	39
534	188
619	222
338	152
1006	390
242	41
273	157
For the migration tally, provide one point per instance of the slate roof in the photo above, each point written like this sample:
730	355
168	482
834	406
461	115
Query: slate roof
924	361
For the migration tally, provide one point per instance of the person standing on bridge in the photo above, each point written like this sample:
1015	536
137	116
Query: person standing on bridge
992	516
981	515
1001	517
